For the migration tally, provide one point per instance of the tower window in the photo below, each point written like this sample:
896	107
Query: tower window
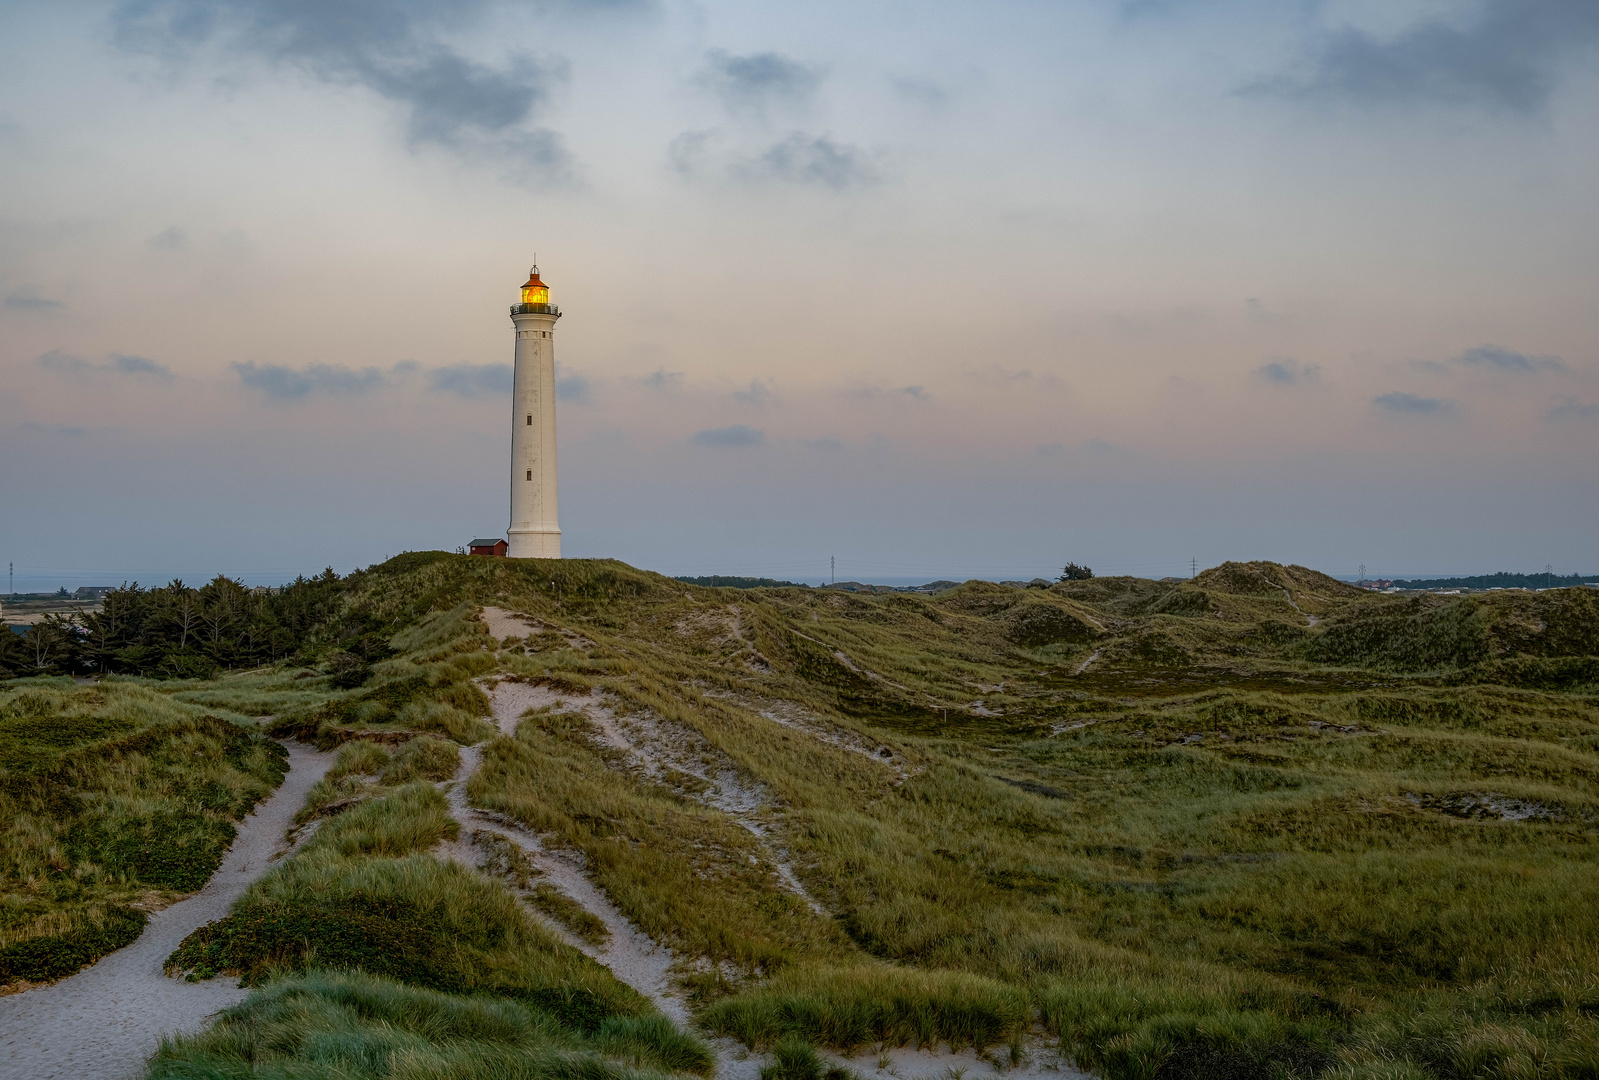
530	474
529	419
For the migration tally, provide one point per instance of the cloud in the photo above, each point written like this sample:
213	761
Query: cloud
1502	359
919	393
1400	402
757	394
759	82
471	380
923	93
1000	375
68	430
1506	59
573	388
1286	371
1572	409
826	443
799	160
661	379
283	383
138	365
171	238
117	363
811	160
690	153
397	50
736	435
27	299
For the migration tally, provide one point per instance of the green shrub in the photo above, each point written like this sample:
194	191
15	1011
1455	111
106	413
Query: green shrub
424	758
654	1041
359	758
413	919
359	1027
57	955
794	1059
851	1007
414	818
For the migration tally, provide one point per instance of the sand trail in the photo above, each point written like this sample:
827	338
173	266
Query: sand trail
103	1022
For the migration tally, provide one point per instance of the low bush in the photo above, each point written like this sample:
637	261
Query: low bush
360	1027
414	818
54	956
415	920
851	1007
424	758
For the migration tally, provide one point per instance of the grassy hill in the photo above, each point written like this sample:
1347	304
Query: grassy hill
1260	823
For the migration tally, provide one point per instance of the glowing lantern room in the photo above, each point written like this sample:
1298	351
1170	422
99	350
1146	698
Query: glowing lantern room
535	291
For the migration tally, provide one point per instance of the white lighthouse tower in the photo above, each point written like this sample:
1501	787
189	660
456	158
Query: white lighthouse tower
534	531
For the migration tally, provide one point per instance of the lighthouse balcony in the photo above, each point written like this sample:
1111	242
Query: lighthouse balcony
535	309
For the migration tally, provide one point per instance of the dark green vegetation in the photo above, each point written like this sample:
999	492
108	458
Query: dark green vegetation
181	632
1258	824
446	972
356	1027
113	801
1501	580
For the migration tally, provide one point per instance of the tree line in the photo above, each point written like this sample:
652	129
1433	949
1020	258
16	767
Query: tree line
177	631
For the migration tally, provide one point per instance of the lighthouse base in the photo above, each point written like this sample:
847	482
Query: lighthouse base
533	544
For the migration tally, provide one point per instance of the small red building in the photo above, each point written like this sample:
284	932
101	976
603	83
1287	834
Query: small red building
488	547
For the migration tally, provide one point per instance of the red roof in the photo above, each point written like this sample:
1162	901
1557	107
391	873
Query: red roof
533	280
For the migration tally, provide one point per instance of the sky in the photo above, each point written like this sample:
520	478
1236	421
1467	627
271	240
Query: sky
934	289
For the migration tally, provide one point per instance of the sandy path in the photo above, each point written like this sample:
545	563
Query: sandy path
632	956
103	1022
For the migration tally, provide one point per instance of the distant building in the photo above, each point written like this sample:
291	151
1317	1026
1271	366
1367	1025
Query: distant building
92	592
1376	584
491	546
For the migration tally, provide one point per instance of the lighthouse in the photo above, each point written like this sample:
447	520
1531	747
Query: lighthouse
534	531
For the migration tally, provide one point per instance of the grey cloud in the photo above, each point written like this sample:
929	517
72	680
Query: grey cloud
394	49
826	442
56	360
812	160
1400	402
1286	371
29	300
471	380
800	159
758	82
736	435
871	392
171	238
757	394
573	388
1508	58
923	93
284	383
1000	375
661	379
690	152
1572	409
1500	358
138	365
68	430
